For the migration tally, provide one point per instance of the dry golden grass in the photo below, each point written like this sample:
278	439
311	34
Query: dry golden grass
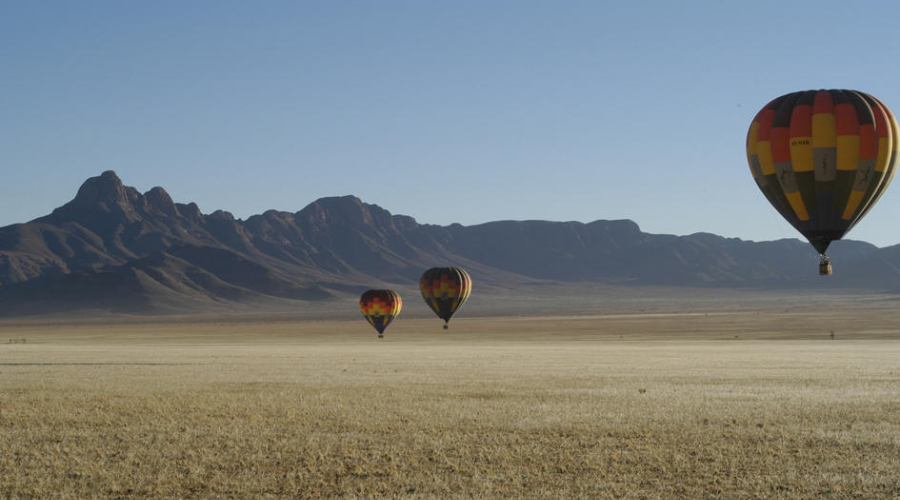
745	404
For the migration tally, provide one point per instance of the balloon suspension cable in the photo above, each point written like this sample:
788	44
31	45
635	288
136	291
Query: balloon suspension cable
824	265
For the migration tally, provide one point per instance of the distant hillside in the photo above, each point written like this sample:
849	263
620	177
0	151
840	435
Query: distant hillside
112	248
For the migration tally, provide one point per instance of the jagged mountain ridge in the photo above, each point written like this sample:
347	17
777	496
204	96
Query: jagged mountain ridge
113	245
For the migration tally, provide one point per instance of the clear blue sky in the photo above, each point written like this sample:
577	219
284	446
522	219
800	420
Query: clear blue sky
462	111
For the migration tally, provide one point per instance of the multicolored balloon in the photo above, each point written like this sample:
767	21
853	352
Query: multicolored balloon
823	158
445	290
380	307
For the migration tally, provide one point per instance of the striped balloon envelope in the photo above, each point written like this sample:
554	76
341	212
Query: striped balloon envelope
823	158
445	290
380	307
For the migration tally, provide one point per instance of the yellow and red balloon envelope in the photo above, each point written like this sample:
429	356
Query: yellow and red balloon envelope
823	158
380	307
445	290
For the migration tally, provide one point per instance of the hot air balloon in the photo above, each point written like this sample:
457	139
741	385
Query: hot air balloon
380	307
823	158
445	290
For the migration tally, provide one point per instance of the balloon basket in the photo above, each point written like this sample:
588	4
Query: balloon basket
825	268
446	327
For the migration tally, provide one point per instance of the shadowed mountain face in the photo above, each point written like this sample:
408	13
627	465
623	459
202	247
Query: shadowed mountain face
113	248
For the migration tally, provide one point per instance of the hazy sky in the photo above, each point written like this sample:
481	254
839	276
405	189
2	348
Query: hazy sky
453	112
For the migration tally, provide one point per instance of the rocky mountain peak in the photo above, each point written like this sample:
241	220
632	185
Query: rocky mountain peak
105	189
101	202
190	211
158	199
347	211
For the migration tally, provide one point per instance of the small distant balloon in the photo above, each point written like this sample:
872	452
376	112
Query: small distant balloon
445	290
823	158
380	307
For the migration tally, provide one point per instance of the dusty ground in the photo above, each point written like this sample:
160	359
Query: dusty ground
733	404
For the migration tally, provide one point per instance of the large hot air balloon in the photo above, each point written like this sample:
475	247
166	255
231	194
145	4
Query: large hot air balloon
823	158
445	289
380	307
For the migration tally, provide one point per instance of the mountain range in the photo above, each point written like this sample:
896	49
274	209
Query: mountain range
114	249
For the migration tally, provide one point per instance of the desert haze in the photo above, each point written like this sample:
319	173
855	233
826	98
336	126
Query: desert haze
743	399
114	249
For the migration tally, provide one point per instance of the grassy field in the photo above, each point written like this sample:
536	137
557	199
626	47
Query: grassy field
731	404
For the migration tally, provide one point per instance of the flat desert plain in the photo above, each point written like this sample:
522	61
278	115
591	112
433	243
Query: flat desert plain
742	403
